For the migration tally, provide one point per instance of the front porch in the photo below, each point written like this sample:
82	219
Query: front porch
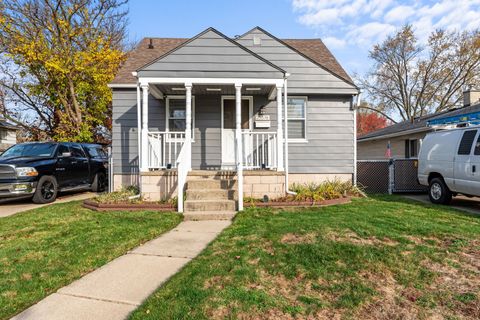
211	128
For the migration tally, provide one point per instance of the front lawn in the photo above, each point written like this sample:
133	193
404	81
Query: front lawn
44	249
377	258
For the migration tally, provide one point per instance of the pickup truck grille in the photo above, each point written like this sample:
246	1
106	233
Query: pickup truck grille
7	172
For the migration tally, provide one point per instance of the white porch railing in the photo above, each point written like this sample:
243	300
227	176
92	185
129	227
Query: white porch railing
259	150
183	164
164	149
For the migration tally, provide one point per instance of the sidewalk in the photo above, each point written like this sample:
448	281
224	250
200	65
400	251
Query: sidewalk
119	287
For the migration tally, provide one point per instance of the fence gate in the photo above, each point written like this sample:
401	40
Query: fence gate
387	176
373	175
405	176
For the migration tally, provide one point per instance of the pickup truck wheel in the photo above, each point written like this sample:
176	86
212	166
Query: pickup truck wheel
47	189
99	182
438	192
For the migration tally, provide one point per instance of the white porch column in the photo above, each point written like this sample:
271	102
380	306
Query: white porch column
279	130
238	140
144	147
188	117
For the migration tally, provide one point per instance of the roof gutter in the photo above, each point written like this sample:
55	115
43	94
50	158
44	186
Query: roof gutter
396	134
121	85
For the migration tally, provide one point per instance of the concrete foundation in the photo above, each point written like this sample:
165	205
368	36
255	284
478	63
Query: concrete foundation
162	184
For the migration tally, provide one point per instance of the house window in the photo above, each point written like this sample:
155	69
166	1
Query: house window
177	114
411	148
297	118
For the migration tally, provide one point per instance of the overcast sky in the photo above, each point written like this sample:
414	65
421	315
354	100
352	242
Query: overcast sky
348	27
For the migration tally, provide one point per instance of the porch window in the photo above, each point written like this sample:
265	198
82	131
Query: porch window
176	114
297	118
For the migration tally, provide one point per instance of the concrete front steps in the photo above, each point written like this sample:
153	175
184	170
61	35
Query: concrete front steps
210	198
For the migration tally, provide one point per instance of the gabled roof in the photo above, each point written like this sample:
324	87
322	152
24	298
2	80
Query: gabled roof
221	35
419	125
313	49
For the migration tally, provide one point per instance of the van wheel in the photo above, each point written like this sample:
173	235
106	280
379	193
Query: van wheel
47	189
99	182
438	192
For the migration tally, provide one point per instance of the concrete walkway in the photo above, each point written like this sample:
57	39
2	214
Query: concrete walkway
119	287
15	206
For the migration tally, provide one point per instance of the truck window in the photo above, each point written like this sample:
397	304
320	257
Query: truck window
77	151
466	143
62	149
95	151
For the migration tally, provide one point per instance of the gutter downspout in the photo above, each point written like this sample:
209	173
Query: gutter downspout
139	136
285	135
355	108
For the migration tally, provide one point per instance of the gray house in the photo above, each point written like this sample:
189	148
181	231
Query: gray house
207	115
8	134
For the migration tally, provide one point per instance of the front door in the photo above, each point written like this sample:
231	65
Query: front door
228	129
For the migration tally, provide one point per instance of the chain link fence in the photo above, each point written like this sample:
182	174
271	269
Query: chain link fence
389	176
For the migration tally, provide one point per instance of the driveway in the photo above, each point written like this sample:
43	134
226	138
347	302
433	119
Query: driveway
469	205
11	207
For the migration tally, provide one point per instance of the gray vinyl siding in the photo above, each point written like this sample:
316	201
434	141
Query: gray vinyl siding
210	55
330	134
124	131
330	124
124	128
305	76
206	149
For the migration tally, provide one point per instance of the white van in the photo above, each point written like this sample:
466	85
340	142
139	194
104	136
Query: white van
449	163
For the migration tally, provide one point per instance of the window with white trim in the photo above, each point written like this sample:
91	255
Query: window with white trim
177	114
297	118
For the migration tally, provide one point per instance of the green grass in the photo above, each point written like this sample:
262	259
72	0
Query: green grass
44	249
377	258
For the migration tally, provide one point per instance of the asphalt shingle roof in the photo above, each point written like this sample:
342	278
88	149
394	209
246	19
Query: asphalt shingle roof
314	49
418	123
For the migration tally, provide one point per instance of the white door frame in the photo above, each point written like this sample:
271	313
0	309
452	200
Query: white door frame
250	118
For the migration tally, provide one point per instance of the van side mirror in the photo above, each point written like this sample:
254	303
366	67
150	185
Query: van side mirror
66	154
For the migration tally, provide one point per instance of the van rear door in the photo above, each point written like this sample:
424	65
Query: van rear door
463	163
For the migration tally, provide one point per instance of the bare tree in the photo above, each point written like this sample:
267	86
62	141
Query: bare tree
411	80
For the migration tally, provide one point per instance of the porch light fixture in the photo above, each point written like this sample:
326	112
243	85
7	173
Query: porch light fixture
178	89
253	89
214	89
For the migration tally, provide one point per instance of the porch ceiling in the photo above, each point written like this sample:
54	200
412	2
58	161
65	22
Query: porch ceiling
170	89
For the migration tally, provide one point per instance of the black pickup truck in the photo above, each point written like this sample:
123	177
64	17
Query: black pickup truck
42	169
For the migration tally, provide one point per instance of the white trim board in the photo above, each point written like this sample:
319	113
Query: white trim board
155	80
305	119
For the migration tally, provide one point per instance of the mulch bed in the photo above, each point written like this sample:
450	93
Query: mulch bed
152	206
289	204
93	205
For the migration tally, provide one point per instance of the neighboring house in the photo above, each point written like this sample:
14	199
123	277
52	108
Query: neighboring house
406	137
180	107
8	135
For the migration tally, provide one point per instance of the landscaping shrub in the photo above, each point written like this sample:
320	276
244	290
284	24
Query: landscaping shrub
325	190
122	196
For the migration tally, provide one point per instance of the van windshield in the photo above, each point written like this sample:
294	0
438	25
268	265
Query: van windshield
30	150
